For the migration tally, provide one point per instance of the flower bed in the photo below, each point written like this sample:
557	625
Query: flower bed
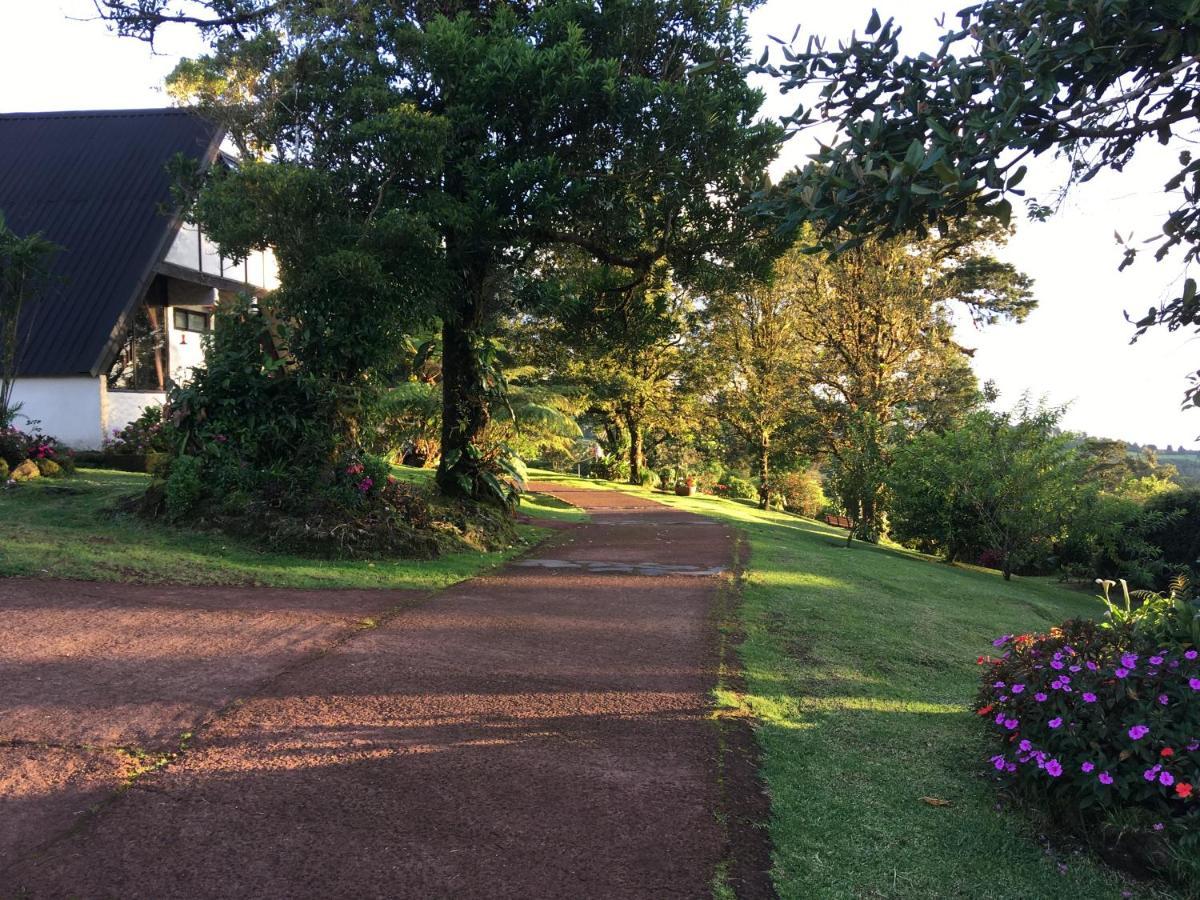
1100	725
25	456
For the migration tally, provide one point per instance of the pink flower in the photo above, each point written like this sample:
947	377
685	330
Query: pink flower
1105	778
1137	732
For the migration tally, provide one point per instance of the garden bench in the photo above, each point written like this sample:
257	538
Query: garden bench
839	522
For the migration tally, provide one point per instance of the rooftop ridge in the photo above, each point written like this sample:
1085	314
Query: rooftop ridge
99	113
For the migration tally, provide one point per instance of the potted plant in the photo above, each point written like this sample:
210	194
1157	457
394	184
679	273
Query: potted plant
686	486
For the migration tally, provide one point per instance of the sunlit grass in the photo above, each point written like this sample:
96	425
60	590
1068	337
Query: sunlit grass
860	668
68	529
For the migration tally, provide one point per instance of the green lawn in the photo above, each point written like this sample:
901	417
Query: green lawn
860	666
65	529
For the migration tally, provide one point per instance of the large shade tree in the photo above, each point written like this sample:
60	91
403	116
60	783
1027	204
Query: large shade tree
410	159
924	139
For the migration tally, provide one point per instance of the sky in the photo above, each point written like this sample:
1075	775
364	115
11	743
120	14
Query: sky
1074	349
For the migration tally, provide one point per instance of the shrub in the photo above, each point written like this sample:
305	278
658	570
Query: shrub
739	488
801	493
49	468
3	469
1100	724
26	471
184	486
649	478
148	433
611	468
14	446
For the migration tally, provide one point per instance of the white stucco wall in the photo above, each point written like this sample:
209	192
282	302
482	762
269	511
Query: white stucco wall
186	347
78	410
122	407
69	408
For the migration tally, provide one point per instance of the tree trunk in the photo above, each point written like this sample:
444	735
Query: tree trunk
634	424
869	533
764	473
464	404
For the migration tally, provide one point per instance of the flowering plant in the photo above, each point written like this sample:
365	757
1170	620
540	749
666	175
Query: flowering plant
148	433
1098	721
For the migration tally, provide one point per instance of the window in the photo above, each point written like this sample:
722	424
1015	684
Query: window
189	320
141	363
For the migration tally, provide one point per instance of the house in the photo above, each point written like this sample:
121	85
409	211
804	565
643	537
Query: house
134	286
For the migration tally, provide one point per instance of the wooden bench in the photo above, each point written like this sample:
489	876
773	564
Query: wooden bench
839	522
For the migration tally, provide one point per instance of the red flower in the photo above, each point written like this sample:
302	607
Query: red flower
1167	753
1183	789
987	709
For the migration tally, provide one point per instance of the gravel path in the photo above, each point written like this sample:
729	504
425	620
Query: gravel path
543	731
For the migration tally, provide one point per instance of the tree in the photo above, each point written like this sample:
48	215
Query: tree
923	140
1003	483
413	159
884	359
24	276
757	341
624	344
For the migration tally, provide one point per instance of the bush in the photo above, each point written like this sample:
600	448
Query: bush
3	469
649	478
739	488
611	468
1100	725
14	446
801	493
148	433
50	469
184	486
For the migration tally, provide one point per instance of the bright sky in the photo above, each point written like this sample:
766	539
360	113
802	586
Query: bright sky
1074	348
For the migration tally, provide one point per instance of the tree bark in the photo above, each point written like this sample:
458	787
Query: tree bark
464	403
634	424
764	473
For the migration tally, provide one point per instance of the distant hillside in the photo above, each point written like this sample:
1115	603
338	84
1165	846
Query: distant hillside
1186	461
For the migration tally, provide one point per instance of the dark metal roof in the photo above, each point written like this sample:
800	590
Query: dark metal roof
96	184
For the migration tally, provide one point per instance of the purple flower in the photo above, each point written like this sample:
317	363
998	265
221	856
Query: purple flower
1166	779
1094	667
1194	684
998	763
1057	664
1151	773
1087	766
1011	724
1054	768
1158	826
999	685
1105	778
1018	688
1156	660
999	718
1089	697
1025	746
1191	654
1121	673
1002	640
1055	722
1163	699
1040	697
1137	732
1129	660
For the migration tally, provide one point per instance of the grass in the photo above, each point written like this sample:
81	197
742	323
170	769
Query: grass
860	668
66	529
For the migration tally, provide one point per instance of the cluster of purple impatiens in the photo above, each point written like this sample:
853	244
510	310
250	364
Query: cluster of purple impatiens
1081	713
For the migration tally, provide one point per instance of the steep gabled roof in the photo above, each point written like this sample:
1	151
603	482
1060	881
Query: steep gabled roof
96	184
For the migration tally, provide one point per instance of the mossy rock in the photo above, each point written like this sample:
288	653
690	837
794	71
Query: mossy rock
26	471
50	469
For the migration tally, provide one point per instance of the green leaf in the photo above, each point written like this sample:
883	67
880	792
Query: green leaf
874	22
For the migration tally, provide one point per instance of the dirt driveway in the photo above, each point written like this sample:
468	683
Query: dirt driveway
544	731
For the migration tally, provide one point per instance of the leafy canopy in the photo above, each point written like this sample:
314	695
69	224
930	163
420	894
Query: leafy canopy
923	140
